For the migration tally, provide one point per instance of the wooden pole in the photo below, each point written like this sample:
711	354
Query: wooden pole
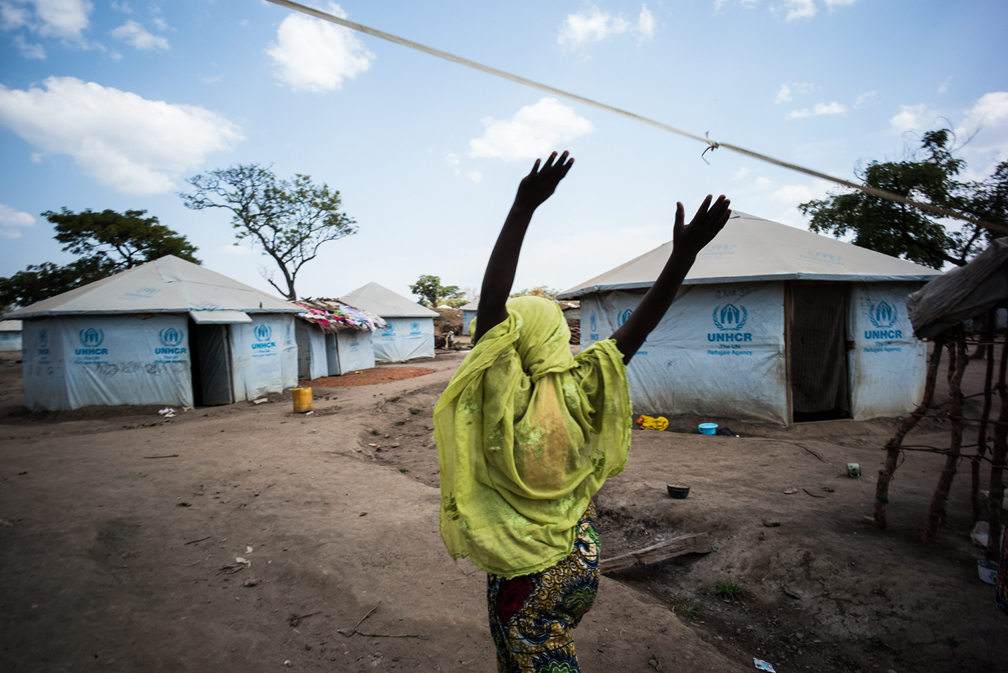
988	337
885	475
957	367
1000	453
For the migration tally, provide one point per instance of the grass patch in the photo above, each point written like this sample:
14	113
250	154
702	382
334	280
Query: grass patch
729	591
374	432
688	611
404	470
415	411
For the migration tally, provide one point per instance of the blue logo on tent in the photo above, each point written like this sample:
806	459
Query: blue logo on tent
883	315
171	336
623	315
262	332
730	319
91	339
43	339
593	322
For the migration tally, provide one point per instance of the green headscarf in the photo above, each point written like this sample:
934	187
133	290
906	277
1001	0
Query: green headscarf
526	435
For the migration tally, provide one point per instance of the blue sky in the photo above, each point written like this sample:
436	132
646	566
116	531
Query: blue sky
115	104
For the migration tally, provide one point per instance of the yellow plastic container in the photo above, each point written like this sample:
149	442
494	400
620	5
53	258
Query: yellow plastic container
302	400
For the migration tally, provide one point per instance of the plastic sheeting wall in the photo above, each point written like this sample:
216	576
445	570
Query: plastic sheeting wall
72	362
718	352
888	365
404	339
467	317
264	356
350	351
10	341
311	349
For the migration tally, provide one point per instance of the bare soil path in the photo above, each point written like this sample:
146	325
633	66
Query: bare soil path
121	533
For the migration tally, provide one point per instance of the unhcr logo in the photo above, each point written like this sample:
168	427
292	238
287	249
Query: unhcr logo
171	338
883	316
414	329
91	339
594	322
729	319
262	334
43	339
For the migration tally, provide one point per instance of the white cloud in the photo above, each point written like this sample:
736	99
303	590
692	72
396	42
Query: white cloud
315	55
863	98
792	194
592	25
988	118
819	109
645	24
475	176
234	250
138	36
799	9
740	173
65	19
452	159
943	87
124	141
784	95
534	131
123	7
990	110
839	3
911	118
36	51
13	221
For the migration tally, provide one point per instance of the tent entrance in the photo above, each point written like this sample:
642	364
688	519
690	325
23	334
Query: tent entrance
817	352
211	369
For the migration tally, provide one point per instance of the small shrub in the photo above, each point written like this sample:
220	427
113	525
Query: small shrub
400	422
729	591
404	470
374	432
415	411
688	611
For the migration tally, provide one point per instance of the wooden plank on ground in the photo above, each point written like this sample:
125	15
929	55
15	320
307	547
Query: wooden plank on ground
677	546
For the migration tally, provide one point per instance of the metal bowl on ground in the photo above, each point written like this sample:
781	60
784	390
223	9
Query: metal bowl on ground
678	491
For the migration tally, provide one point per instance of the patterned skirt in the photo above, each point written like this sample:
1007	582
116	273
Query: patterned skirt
532	617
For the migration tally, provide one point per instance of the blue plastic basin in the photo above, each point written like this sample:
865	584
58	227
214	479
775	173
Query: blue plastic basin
707	428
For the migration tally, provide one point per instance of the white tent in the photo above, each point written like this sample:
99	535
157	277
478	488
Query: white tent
410	330
10	336
334	338
166	332
469	314
772	324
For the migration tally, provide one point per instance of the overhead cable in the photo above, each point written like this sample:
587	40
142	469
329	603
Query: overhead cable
711	144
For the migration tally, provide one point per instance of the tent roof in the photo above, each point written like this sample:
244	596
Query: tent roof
386	303
471	306
166	285
10	325
962	293
753	249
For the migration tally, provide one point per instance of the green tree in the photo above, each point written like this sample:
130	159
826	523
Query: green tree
105	243
289	220
432	293
927	175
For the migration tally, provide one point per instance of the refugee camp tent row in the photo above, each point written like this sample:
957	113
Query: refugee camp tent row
10	337
166	332
773	324
409	333
334	338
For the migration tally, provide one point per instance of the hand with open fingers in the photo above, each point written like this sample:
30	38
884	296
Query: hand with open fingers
708	221
540	183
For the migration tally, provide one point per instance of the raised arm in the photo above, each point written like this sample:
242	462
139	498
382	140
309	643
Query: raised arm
687	241
534	189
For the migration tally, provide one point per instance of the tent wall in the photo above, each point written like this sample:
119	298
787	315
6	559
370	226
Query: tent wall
888	364
467	317
718	352
350	351
311	350
404	339
264	356
10	342
76	361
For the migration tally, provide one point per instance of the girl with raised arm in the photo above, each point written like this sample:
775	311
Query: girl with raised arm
528	433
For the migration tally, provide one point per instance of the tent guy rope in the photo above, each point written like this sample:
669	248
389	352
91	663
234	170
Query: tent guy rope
711	144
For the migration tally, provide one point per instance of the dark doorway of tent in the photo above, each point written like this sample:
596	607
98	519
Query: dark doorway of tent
211	364
817	351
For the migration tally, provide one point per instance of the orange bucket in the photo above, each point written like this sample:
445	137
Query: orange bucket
302	400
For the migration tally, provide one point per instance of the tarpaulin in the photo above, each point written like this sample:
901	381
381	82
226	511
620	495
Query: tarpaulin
718	352
264	356
76	361
311	349
349	351
404	339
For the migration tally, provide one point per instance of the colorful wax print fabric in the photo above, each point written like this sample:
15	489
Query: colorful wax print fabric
526	435
532	617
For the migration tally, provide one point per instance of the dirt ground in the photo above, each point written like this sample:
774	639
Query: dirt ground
121	534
